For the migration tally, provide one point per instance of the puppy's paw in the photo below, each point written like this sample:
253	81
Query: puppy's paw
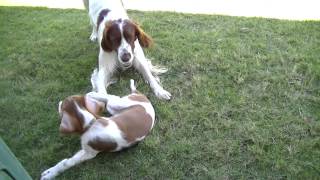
48	174
162	94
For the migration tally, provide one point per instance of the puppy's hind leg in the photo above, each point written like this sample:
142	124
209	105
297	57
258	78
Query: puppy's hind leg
103	97
113	103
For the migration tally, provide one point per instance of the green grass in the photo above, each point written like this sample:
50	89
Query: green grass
246	95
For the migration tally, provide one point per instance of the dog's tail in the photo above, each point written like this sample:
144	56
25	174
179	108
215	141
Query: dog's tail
86	4
156	70
133	87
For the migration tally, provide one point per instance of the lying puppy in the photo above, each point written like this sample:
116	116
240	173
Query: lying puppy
121	42
132	120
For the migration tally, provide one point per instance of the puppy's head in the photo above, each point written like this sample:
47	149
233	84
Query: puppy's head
76	112
120	36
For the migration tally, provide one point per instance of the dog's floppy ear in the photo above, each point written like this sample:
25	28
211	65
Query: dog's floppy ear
105	42
71	118
144	39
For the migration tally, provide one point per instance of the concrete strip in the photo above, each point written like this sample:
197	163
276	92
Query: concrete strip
279	9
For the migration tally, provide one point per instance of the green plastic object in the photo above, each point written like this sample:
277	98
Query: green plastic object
10	167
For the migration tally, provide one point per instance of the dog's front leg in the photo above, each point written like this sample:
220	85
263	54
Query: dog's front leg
101	77
100	81
141	64
65	164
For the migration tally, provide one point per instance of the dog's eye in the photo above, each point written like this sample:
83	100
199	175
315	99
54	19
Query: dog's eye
115	40
130	36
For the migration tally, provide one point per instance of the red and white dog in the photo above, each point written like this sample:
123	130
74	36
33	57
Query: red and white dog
121	41
132	120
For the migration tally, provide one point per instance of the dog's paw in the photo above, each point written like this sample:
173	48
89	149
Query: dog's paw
93	37
48	174
162	94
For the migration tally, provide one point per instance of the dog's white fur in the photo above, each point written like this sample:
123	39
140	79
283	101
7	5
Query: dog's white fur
109	62
109	133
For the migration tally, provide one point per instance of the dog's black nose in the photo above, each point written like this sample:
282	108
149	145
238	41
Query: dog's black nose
126	57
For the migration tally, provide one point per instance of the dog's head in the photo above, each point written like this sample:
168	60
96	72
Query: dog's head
120	36
76	112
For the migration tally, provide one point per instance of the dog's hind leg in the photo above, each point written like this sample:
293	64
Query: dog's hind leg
86	4
65	164
94	34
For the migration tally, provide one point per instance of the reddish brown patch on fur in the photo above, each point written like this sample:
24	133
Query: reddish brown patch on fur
95	107
139	98
132	31
134	122
100	144
103	122
103	13
144	39
76	119
129	33
111	38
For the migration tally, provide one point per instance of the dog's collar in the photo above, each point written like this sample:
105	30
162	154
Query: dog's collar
93	120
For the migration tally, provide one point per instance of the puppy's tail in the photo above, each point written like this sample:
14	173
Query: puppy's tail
133	87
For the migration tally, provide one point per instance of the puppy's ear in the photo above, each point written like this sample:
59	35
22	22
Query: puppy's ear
71	118
59	107
105	42
144	39
67	126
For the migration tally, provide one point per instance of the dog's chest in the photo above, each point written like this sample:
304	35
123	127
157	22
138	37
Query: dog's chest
110	63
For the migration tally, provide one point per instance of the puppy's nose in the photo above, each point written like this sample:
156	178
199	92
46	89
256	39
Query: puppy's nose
126	57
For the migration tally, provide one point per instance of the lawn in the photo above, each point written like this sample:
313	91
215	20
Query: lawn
246	95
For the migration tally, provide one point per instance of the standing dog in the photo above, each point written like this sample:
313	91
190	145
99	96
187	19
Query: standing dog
121	42
132	119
